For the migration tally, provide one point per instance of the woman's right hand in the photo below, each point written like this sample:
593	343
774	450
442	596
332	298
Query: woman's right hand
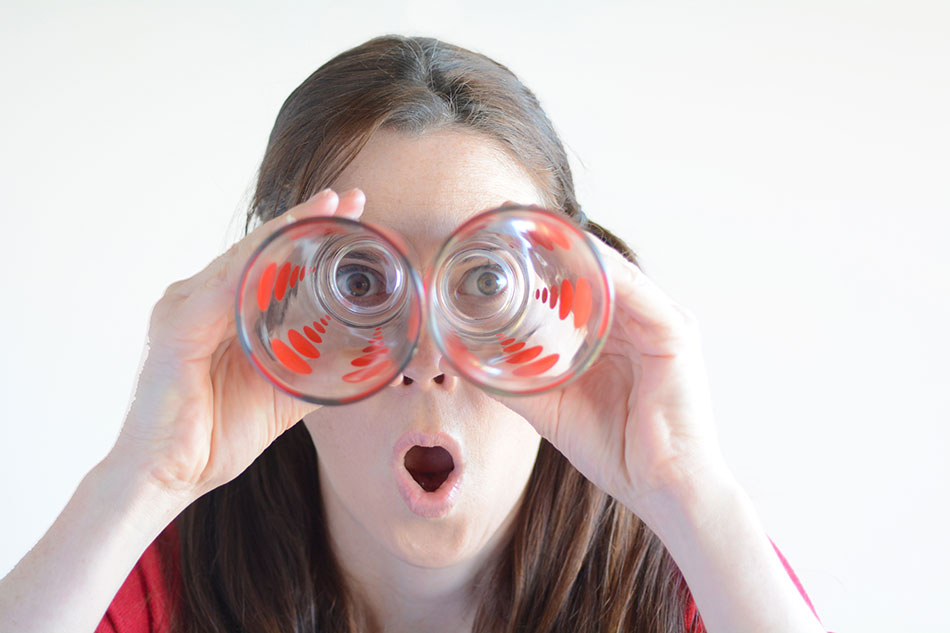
201	412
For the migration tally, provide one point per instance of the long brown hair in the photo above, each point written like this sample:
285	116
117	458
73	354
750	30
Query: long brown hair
255	553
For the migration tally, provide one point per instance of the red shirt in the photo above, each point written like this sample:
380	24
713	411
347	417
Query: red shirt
142	604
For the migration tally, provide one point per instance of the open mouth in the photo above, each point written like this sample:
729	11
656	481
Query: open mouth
429	466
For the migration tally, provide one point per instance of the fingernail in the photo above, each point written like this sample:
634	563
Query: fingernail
322	194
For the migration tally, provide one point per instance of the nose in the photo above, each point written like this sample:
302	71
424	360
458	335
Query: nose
426	368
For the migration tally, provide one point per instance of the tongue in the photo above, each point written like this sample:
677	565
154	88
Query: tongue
429	466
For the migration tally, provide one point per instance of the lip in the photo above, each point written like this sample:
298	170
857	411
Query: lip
430	505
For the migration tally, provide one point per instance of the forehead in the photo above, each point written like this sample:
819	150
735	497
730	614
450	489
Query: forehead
424	186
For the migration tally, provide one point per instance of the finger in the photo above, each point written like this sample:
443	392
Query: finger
205	302
221	277
351	204
656	323
530	205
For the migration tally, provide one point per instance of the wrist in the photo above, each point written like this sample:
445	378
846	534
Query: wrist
691	502
131	497
711	529
87	553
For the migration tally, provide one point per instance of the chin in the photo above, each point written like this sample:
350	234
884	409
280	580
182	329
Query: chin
433	544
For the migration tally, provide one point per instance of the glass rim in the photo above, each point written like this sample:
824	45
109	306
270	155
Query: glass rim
415	287
605	278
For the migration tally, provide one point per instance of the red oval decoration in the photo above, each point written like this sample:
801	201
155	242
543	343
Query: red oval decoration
537	367
525	355
582	302
290	359
567	299
313	336
302	345
266	287
282	281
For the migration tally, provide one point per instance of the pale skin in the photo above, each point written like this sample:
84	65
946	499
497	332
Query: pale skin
416	573
202	414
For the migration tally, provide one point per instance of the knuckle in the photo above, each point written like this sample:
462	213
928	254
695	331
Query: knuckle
174	289
679	333
671	336
689	323
635	274
165	307
158	317
218	275
688	316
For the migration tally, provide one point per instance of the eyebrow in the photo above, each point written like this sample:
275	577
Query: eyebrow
361	256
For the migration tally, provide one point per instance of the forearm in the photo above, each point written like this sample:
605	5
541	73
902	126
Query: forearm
69	578
738	582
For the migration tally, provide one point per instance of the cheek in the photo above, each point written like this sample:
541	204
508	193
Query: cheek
507	450
348	451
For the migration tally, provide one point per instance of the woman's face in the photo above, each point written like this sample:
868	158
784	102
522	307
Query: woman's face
423	187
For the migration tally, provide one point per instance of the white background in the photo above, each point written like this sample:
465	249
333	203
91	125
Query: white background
782	169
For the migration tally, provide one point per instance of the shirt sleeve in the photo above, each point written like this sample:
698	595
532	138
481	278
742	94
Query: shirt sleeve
694	623
143	602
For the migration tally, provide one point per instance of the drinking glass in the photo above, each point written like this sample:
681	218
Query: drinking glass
518	300
329	310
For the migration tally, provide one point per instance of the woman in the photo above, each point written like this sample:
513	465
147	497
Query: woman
603	506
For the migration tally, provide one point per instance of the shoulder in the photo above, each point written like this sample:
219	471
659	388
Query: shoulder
144	601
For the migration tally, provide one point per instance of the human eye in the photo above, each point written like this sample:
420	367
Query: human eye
363	285
483	281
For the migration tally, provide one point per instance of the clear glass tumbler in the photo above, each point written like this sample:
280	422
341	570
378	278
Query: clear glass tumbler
518	300
329	310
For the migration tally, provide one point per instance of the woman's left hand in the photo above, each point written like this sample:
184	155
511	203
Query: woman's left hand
639	422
